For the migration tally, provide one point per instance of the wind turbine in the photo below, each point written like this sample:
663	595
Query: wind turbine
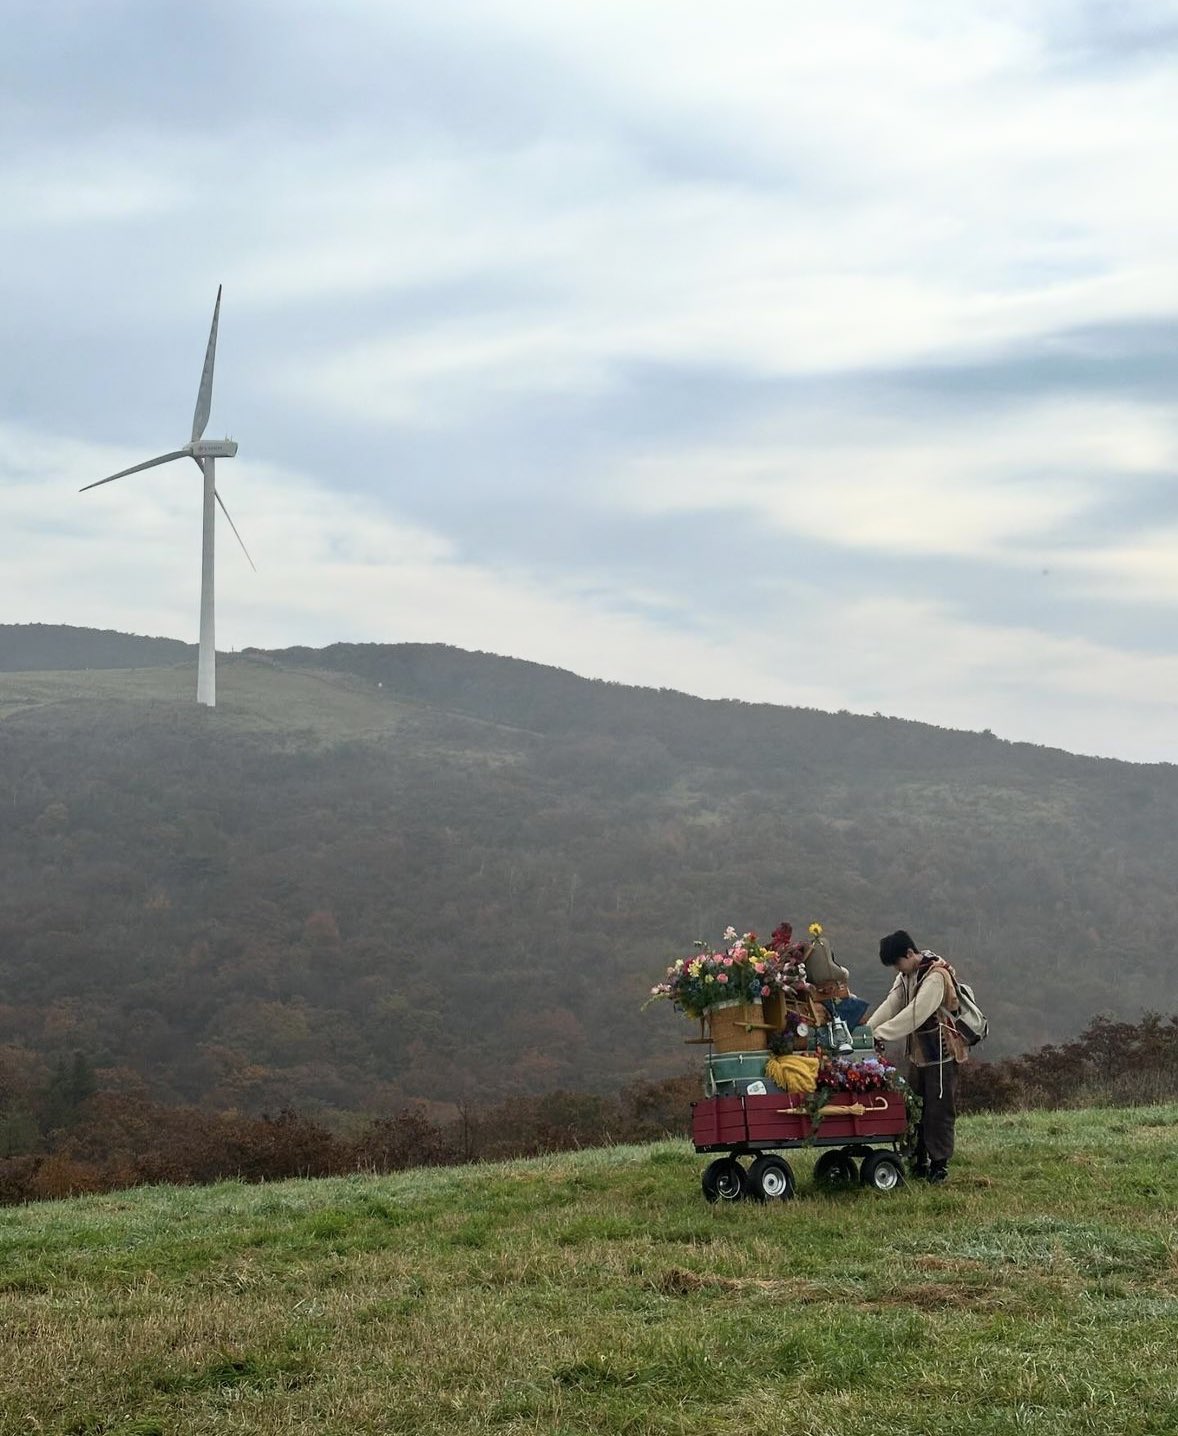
204	453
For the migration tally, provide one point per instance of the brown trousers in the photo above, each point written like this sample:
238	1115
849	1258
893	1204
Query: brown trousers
936	1086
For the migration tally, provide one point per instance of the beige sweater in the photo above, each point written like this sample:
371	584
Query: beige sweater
907	1008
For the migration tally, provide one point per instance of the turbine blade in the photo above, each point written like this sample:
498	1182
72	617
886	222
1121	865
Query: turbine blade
236	535
204	396
134	469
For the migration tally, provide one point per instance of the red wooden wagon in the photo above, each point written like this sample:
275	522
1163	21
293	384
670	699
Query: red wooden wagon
851	1125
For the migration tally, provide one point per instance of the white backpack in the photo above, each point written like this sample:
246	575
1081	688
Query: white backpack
969	1019
972	1024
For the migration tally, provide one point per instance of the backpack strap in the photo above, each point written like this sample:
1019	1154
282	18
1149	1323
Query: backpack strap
951	1038
938	964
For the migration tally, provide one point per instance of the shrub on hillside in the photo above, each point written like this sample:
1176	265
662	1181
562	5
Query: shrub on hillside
1110	1063
406	1139
119	1139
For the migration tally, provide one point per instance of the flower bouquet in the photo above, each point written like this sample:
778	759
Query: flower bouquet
858	1076
726	987
792	993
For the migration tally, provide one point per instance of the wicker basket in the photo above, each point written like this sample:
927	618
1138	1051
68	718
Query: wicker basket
737	1027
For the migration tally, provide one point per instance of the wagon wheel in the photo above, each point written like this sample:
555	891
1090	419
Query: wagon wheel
771	1179
724	1180
835	1171
882	1172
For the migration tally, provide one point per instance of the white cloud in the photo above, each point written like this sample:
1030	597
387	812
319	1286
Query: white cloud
978	488
330	568
916	187
622	264
1142	569
83	189
1062	692
421	378
759	192
333	569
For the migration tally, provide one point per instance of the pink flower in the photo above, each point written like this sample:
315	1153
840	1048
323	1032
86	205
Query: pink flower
727	963
764	992
758	967
723	977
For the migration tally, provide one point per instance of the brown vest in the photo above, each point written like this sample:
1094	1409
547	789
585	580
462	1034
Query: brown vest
937	1039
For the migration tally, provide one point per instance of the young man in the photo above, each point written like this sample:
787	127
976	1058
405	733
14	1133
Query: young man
919	1009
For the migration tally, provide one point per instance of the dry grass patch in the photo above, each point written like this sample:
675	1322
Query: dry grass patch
678	1282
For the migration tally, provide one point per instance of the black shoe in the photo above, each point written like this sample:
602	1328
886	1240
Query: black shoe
938	1172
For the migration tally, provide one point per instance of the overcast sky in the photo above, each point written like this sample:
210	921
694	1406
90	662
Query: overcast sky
817	354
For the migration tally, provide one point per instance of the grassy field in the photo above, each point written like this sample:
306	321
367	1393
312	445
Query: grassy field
597	1292
251	695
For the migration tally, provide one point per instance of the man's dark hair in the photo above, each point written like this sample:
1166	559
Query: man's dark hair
895	946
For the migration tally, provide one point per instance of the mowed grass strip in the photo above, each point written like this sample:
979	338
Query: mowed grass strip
597	1292
252	696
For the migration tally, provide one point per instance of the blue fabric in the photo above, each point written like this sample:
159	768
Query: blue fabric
850	1009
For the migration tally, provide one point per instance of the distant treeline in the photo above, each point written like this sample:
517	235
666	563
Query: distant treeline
105	1141
55	647
112	1141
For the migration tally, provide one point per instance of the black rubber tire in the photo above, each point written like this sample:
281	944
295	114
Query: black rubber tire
882	1172
724	1180
836	1171
771	1179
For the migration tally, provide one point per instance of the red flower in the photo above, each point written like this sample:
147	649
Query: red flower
782	934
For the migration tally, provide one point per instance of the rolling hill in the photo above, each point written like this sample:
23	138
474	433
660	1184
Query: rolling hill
381	872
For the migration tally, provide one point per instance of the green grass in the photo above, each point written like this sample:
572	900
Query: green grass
251	695
597	1292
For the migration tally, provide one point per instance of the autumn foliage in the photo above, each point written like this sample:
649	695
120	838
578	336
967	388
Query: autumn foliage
108	1140
115	1140
1122	1064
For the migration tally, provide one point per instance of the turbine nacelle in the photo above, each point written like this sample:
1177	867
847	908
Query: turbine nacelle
211	448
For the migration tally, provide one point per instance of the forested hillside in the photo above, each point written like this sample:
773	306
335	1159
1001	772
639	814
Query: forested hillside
384	872
50	647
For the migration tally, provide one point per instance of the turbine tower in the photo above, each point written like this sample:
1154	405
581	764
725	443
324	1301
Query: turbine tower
204	453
